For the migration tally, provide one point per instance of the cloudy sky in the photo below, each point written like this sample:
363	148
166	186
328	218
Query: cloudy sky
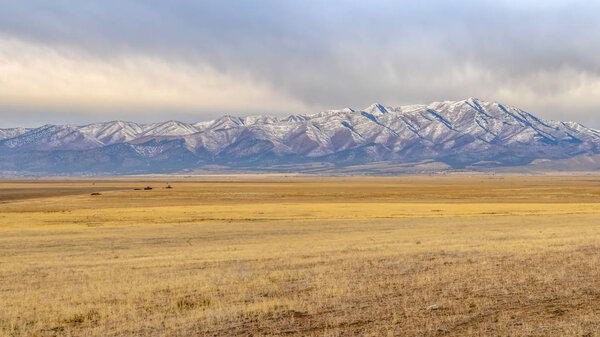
66	61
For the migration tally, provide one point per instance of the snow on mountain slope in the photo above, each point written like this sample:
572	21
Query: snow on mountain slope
113	132
458	133
170	128
12	132
50	137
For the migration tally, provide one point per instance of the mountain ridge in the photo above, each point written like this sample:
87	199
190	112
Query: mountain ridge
459	134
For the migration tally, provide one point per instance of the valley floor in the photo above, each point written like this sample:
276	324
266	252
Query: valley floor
301	256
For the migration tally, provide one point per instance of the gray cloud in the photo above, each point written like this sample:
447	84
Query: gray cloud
312	55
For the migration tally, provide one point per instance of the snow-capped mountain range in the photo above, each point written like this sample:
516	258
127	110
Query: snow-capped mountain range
469	133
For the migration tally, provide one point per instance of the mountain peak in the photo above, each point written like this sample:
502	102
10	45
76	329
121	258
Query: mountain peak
473	100
376	108
338	111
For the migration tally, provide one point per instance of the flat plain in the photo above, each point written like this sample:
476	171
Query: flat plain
301	256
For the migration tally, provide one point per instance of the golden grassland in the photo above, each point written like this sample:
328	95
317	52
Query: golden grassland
301	256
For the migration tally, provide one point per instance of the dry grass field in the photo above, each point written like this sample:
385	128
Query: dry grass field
301	256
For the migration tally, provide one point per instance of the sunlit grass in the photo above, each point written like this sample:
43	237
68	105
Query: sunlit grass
216	263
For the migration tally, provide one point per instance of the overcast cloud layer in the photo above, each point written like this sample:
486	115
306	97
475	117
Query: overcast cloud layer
82	61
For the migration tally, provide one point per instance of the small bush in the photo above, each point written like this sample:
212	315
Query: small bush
80	318
189	302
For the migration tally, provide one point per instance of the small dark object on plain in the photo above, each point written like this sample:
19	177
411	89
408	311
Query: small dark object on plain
96	193
169	187
137	189
147	188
